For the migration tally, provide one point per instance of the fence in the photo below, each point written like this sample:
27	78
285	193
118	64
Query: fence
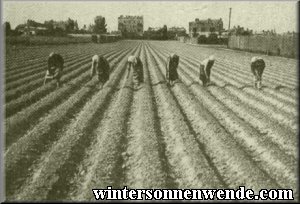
203	40
282	45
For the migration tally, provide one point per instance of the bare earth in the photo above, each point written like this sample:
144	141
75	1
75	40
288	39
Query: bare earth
62	143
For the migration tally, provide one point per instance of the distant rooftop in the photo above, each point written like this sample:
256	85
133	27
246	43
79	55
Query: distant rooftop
128	16
206	20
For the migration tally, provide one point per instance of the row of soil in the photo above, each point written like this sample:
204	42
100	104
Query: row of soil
274	73
31	66
273	76
66	53
285	109
265	154
15	93
277	71
61	187
276	68
25	57
17	124
16	55
230	69
234	165
274	130
59	150
24	64
190	167
238	83
27	99
144	161
37	71
239	69
287	118
157	136
102	165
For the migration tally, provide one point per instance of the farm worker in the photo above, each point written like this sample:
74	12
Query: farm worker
205	69
257	68
55	68
100	66
171	68
136	65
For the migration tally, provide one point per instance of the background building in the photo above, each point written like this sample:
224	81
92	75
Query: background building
131	24
205	27
31	28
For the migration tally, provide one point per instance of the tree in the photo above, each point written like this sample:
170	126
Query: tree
91	28
121	26
165	33
212	38
50	26
70	25
7	28
53	29
33	23
100	26
202	39
195	32
124	33
76	28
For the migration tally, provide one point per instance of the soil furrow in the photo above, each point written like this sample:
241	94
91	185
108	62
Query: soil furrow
204	118
105	161
190	166
17	125
50	170
28	99
143	163
238	71
288	120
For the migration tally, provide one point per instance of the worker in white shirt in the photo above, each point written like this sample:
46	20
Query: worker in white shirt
257	67
136	65
100	66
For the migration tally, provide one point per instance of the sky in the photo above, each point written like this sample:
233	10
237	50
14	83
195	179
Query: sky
255	15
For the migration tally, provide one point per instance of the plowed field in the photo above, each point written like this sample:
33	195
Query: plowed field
62	143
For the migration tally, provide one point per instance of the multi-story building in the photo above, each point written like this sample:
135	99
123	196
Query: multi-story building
132	24
205	27
31	28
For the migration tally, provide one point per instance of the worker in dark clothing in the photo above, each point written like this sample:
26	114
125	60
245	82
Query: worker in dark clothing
257	68
205	69
100	66
171	68
55	68
136	65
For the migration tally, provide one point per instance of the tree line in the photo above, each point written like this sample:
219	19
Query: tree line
156	34
57	28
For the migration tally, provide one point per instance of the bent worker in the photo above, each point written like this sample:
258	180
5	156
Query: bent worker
205	70
100	66
257	68
136	65
171	68
55	68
